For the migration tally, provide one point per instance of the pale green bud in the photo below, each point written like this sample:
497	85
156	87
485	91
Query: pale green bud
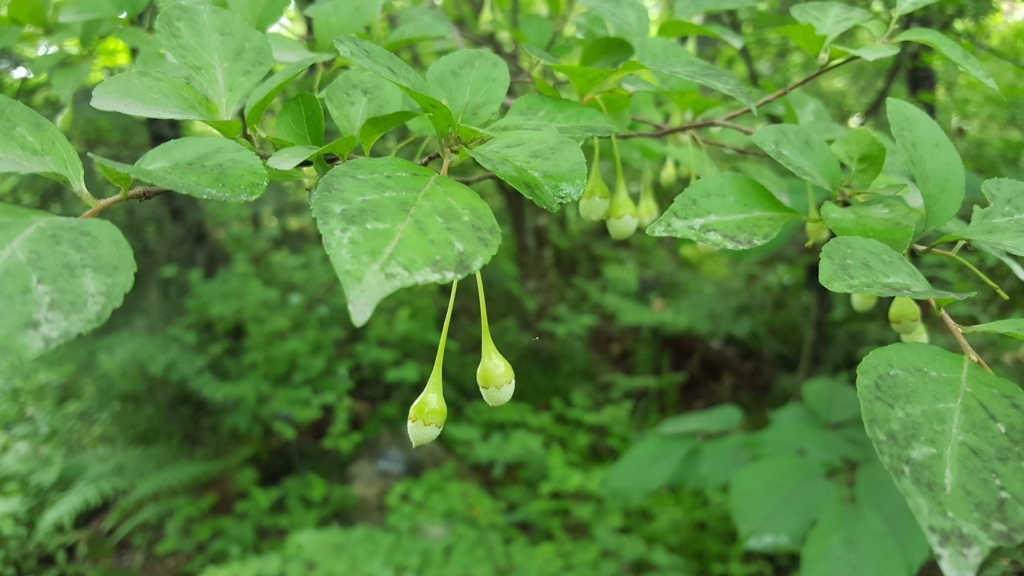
494	375
428	413
594	203
904	315
817	233
669	175
863	302
919	335
622	215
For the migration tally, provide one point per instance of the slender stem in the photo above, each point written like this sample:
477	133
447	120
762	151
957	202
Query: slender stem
739	112
141	194
485	329
468	180
926	250
954	328
620	179
445	163
439	360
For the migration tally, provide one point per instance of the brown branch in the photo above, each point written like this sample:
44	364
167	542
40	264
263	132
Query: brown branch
954	328
731	148
724	120
429	158
141	193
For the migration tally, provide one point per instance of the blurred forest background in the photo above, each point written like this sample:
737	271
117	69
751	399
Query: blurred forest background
229	420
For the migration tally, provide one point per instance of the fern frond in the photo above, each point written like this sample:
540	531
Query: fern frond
81	497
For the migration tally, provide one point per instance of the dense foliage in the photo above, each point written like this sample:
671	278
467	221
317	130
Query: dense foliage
751	270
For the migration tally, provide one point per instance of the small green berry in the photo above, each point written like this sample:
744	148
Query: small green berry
863	302
904	315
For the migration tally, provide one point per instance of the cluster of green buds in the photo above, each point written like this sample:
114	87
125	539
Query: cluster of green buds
494	376
621	215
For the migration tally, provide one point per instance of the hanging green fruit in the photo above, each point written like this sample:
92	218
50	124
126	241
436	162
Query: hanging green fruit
621	219
647	210
669	174
429	412
904	315
594	203
863	302
817	233
920	335
494	376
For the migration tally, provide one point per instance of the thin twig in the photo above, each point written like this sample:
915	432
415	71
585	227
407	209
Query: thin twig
724	120
988	282
959	335
730	147
429	158
470	180
142	193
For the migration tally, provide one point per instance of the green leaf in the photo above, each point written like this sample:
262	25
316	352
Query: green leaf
951	436
774	502
727	210
31	144
676	28
224	55
292	156
537	112
31	12
472	83
686	9
301	121
876	491
83	10
378	126
884	218
260	14
795	431
1013	328
207	168
668	57
358	95
802	152
647	466
152	95
856	265
830	19
949	49
388	223
606	52
546	167
831	400
721	418
871	52
9	35
1001	224
59	277
261	97
122	180
904	7
416	24
586	81
625	18
932	160
334	18
393	69
863	153
850	540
